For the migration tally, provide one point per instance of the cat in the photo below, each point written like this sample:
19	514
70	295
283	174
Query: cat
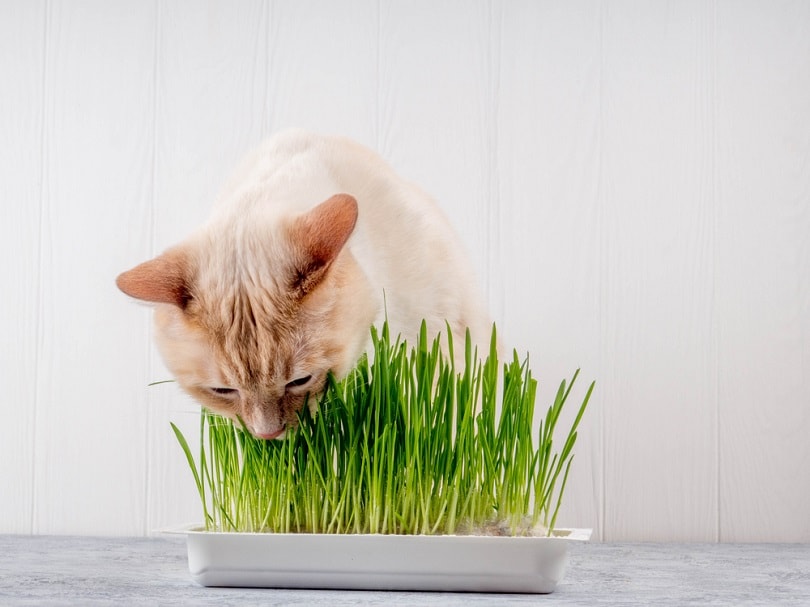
313	240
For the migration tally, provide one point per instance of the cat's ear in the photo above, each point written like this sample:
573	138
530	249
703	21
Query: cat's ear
164	279
319	236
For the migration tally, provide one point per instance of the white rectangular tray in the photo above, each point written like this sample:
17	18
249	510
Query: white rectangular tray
447	563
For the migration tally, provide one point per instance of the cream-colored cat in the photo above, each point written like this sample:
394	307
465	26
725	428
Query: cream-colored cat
284	281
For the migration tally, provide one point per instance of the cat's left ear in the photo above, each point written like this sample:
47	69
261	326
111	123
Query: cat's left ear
319	236
164	279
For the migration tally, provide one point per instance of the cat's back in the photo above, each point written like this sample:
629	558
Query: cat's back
403	242
295	170
295	157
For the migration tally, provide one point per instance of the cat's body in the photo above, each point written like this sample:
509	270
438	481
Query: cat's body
314	240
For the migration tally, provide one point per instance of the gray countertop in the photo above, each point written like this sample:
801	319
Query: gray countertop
36	570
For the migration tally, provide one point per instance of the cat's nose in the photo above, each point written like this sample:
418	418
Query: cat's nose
265	422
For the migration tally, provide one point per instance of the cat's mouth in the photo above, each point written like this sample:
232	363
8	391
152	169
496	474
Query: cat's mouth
278	434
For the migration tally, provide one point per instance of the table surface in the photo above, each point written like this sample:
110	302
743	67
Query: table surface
50	570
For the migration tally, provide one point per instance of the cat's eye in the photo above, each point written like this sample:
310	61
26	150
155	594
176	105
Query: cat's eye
224	391
299	383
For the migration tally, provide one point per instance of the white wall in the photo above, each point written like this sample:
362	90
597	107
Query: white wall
632	179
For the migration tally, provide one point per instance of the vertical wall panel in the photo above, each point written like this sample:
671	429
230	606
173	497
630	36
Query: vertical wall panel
763	281
435	107
323	67
90	455
548	170
658	378
22	44
211	75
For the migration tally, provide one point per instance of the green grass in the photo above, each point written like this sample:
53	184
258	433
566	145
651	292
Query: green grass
405	444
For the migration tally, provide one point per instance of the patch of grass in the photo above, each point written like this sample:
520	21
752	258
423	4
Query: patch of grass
405	444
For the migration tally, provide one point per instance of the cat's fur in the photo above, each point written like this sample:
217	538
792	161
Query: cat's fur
310	238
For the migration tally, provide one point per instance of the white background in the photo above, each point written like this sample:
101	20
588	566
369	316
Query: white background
632	180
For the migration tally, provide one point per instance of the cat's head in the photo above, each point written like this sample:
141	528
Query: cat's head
250	318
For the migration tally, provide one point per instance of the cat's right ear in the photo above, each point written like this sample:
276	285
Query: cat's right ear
164	279
319	236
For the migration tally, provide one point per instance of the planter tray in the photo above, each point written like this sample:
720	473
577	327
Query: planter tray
450	563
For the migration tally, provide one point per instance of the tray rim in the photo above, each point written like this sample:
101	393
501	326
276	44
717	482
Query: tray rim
575	534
